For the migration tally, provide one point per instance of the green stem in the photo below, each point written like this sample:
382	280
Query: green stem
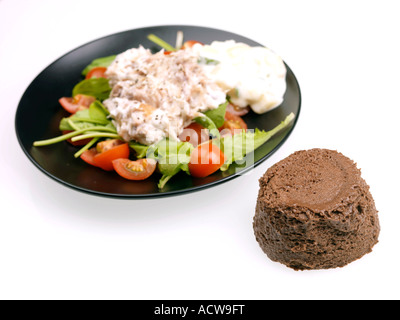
282	125
160	42
96	135
70	135
86	147
55	140
90	120
72	124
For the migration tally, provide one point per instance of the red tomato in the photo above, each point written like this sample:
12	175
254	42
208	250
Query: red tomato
237	111
190	43
195	134
134	170
104	159
187	44
97	72
107	145
79	102
205	160
88	156
233	124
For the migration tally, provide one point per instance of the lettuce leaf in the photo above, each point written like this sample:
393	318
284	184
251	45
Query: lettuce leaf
140	149
95	115
237	146
207	123
96	87
88	123
217	115
99	62
213	119
172	157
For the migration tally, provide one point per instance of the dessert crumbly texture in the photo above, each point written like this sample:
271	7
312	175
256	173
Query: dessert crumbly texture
314	211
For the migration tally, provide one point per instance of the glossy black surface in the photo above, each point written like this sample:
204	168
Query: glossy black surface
39	113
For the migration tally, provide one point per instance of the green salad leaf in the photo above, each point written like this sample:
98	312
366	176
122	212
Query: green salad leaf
140	149
236	147
95	115
98	112
207	123
170	169
99	62
217	115
172	157
213	119
96	87
88	123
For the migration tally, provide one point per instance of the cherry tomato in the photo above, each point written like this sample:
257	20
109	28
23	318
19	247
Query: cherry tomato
88	156
79	102
97	72
134	170
106	145
190	43
233	124
205	160
195	134
237	111
104	158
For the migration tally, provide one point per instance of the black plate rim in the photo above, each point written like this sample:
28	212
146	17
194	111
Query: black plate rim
159	194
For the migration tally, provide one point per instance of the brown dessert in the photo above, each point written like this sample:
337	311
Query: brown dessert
314	211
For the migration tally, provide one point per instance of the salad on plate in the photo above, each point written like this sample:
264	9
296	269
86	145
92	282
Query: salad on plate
180	109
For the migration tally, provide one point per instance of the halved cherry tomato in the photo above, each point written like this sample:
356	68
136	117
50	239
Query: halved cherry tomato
190	43
79	102
88	156
78	142
233	123
134	170
106	145
205	160
237	111
97	72
195	134
104	159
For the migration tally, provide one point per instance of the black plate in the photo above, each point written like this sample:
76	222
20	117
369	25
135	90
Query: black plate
39	113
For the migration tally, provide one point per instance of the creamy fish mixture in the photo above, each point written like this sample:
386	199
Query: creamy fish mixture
156	95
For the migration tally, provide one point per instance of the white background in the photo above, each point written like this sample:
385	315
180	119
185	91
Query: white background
57	243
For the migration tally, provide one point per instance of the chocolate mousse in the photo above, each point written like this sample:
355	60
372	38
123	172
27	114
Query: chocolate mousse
314	211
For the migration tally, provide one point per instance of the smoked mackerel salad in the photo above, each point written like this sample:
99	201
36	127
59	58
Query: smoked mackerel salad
180	109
